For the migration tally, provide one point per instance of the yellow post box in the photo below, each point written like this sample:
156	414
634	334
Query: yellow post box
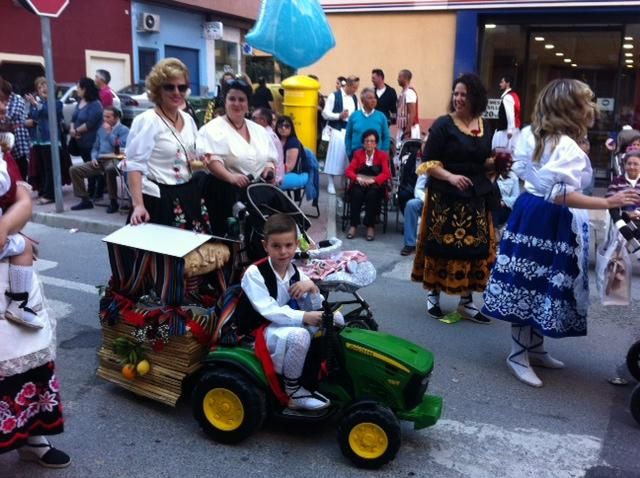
301	103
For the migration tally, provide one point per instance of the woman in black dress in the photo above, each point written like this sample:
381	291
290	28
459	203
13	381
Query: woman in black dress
456	246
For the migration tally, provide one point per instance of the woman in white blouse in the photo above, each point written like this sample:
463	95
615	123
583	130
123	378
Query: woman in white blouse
540	281
235	150
161	151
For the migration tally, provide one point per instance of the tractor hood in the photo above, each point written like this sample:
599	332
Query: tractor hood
390	349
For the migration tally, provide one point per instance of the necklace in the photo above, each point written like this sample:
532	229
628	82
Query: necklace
238	128
174	122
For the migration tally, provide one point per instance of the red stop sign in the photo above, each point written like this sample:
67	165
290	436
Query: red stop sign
47	8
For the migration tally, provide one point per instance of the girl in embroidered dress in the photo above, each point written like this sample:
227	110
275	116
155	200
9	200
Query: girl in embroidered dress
540	281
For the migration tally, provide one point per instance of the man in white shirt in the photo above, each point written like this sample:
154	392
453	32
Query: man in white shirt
508	125
264	117
413	211
408	123
339	106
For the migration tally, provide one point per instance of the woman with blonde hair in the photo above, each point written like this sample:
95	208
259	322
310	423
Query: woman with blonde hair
161	155
540	281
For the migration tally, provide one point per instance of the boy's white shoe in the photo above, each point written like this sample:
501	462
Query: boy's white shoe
302	399
18	311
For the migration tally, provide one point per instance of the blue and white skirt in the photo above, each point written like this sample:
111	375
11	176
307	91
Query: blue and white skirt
540	277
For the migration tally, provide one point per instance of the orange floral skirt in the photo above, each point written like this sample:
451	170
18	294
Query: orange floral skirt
452	276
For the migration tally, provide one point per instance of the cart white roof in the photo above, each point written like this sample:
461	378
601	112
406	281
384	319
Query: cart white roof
166	240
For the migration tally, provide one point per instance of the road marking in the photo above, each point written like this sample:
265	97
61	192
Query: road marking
401	271
58	309
69	284
44	265
485	450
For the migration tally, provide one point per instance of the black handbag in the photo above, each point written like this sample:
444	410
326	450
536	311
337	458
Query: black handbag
73	148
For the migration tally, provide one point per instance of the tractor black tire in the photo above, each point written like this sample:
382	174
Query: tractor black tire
634	403
370	437
633	360
228	407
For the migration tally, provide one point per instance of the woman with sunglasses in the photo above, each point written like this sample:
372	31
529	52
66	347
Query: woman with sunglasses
295	167
161	155
235	150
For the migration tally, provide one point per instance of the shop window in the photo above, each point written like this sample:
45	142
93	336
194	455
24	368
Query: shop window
503	54
146	60
227	57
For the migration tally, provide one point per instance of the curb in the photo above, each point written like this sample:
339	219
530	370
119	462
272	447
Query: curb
83	224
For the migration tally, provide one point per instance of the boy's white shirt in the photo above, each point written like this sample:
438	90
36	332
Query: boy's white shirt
277	311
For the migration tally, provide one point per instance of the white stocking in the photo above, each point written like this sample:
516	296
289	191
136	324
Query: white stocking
518	359
298	342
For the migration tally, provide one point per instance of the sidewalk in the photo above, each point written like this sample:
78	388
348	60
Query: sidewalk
97	221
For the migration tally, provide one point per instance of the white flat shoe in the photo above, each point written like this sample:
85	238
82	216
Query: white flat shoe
524	374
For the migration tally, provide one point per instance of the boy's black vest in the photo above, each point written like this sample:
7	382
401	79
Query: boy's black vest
246	318
339	108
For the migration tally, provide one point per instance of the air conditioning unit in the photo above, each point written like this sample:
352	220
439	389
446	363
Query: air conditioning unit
149	22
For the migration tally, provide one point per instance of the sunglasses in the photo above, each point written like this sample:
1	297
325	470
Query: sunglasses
284	125
170	88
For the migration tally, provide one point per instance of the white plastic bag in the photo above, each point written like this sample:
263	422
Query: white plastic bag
613	271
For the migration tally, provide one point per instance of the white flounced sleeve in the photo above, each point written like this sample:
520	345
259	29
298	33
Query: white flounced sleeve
561	170
140	142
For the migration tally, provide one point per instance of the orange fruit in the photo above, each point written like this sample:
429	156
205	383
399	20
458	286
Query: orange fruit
143	367
129	371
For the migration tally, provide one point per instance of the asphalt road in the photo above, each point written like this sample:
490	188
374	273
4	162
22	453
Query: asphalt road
493	426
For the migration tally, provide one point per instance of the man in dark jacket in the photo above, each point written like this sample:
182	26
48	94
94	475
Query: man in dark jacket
387	98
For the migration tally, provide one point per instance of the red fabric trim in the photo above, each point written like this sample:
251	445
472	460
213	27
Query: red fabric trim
262	352
516	108
23	435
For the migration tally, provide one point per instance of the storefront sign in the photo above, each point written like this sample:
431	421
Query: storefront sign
213	30
492	108
335	6
605	104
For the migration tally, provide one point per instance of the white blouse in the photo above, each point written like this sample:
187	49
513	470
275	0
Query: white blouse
219	139
561	170
159	151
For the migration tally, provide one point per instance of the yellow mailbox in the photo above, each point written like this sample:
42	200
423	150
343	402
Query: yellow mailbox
301	103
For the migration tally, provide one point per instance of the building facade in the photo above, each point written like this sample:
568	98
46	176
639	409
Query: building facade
206	35
88	35
533	41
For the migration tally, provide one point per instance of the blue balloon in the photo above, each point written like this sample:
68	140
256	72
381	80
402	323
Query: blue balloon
296	32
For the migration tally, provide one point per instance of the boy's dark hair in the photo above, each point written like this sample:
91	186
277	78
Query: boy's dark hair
378	71
279	224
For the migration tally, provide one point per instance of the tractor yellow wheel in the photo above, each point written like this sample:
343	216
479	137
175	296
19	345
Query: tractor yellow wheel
369	435
368	440
228	406
223	409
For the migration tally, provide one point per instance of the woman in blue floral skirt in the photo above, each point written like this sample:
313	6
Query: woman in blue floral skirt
540	281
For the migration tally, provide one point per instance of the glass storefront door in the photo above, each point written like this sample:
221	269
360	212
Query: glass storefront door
603	54
588	55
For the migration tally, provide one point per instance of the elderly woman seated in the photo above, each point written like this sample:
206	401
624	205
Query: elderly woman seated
235	150
367	173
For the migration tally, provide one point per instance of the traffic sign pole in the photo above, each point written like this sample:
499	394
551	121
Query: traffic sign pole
45	25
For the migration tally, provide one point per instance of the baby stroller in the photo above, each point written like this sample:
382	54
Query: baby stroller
264	200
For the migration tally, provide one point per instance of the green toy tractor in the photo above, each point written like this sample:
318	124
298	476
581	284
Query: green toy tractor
373	380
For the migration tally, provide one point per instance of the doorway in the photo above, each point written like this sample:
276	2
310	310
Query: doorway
588	55
191	58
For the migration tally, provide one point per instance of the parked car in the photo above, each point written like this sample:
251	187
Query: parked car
67	93
133	101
